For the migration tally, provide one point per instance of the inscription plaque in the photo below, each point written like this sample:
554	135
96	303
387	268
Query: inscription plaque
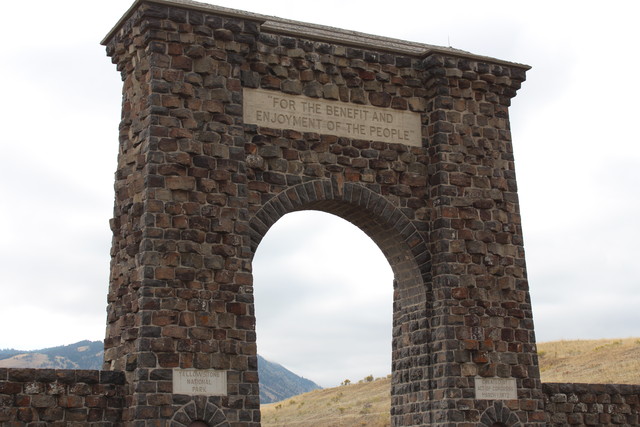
207	382
496	388
297	112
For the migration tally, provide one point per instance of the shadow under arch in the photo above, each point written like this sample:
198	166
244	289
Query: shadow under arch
406	250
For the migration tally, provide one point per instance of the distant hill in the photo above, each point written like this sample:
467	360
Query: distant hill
615	361
81	355
276	382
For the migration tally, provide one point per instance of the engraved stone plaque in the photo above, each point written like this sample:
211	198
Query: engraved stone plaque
496	388
207	382
297	112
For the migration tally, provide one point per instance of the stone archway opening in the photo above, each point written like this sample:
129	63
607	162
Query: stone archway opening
323	295
405	252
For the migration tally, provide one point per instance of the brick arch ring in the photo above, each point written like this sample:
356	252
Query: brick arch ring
199	409
499	415
384	222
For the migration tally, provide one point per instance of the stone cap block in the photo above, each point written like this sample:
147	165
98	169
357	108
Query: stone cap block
272	24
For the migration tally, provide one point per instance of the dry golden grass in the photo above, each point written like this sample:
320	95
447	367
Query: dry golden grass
606	361
362	404
368	404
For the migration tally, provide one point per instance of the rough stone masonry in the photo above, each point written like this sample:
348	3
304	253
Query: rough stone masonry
231	120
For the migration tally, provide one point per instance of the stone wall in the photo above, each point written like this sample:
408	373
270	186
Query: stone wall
39	397
57	397
592	404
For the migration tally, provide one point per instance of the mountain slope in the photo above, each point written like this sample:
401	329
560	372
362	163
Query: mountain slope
278	383
81	355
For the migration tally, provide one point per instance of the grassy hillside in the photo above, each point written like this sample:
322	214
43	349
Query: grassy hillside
606	361
368	403
362	404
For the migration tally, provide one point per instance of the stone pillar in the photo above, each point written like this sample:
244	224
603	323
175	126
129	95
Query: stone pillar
181	285
480	290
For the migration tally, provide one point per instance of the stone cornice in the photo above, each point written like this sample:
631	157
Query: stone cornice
272	24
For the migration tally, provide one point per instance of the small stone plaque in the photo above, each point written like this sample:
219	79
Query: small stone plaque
304	114
208	382
496	388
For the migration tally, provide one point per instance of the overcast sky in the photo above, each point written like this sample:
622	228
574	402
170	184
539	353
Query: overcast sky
323	289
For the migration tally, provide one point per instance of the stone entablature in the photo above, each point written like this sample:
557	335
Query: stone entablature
310	31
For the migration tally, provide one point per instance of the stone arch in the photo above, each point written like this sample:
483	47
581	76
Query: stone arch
498	415
403	245
396	235
201	179
199	409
